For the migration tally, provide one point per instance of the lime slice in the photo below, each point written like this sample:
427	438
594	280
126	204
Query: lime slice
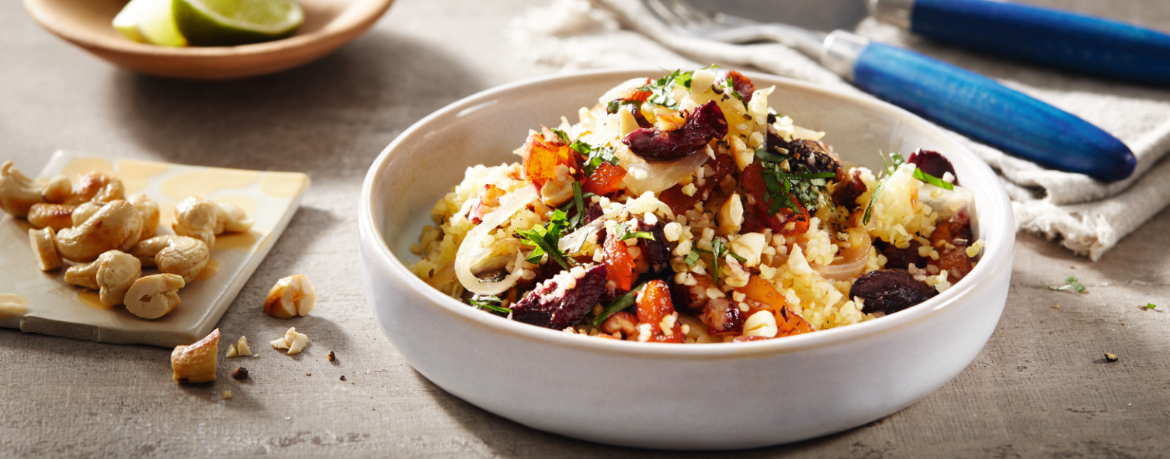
149	21
237	22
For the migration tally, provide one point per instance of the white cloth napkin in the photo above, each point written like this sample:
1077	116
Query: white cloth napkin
1085	215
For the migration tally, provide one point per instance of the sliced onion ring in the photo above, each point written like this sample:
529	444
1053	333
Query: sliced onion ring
479	240
852	263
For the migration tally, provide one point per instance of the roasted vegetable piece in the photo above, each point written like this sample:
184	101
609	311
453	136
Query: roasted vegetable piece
890	291
848	190
902	258
619	265
722	317
680	202
787	221
703	125
543	152
933	163
655	308
951	239
606	179
740	83
563	300
656	251
791	323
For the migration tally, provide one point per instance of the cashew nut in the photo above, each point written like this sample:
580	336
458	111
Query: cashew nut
180	255
58	190
196	363
202	219
292	340
148	212
115	227
96	187
17	192
291	296
731	215
44	248
154	296
56	216
84	211
113	274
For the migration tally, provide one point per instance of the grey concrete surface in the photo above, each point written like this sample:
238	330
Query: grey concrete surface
1041	388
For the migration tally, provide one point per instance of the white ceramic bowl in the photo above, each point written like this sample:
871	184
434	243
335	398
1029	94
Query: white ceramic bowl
718	396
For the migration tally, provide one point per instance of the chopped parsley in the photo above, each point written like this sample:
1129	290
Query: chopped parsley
796	190
660	89
896	160
1072	284
1150	306
489	303
692	257
718	251
545	239
618	304
594	156
564	137
729	85
623	234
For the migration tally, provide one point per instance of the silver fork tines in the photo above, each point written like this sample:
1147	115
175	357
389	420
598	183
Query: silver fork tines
690	20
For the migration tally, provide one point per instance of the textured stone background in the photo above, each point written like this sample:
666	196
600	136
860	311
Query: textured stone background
1040	389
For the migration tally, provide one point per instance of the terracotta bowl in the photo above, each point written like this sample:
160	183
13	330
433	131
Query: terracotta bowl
713	396
86	23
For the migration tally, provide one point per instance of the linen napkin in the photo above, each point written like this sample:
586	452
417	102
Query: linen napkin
1085	215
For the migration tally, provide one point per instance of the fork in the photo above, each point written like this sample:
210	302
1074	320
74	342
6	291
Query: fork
964	101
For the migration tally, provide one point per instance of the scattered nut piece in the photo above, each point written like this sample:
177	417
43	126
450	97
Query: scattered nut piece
116	226
242	347
231	352
343	377
84	211
17	192
154	296
331	356
1110	357
44	248
291	296
56	216
148	212
179	255
202	219
113	273
196	363
293	341
96	187
227	395
240	373
58	190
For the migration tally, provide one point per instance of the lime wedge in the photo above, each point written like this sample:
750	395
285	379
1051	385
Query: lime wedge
237	22
149	21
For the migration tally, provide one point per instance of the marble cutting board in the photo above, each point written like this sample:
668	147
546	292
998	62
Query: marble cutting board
41	302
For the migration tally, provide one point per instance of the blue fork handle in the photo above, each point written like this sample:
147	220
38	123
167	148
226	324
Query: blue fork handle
983	109
1047	36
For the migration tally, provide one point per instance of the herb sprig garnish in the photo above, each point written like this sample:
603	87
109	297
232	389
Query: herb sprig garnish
489	303
1072	284
718	250
618	304
624	234
545	239
594	156
786	180
660	89
1150	306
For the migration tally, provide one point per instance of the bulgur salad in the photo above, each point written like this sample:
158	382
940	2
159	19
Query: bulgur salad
684	209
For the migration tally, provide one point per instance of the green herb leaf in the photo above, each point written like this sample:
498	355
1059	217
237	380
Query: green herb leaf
1072	284
692	258
618	304
594	156
545	239
927	178
564	137
489	303
623	234
1151	306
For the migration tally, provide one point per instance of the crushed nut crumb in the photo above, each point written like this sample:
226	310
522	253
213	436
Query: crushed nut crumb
332	357
1110	357
343	377
227	395
240	373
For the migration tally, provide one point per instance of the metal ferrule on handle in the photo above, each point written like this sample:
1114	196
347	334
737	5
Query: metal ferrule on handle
978	107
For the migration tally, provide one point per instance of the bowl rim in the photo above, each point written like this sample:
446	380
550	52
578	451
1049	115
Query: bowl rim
370	11
996	257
